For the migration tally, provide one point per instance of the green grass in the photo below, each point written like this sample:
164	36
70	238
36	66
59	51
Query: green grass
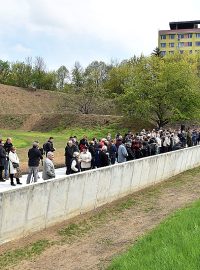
15	256
23	139
173	245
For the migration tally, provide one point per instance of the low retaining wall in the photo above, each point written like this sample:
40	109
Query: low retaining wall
37	206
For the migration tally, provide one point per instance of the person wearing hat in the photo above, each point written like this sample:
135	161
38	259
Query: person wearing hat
34	157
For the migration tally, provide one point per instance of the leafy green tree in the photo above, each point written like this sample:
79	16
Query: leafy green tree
62	75
39	72
96	73
4	71
156	52
162	90
77	76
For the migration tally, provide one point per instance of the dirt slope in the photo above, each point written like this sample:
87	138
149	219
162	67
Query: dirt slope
16	100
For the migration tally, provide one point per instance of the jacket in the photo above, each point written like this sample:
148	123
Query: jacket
2	156
48	169
12	158
34	156
122	153
85	159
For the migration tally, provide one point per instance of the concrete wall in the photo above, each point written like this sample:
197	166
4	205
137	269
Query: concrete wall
37	206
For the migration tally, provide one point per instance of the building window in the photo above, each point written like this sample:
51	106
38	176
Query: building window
171	52
197	43
181	52
198	35
189	44
171	45
190	51
172	36
163	45
180	36
181	44
189	35
163	53
163	36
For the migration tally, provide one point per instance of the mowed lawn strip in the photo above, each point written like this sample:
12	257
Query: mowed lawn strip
174	244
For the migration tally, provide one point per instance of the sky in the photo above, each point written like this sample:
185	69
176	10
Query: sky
65	31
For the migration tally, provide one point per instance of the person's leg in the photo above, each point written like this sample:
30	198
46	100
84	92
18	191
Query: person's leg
30	171
35	174
12	179
1	174
6	169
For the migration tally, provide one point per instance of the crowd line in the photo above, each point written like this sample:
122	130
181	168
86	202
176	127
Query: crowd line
85	155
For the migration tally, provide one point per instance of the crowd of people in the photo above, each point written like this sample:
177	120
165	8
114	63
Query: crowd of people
85	155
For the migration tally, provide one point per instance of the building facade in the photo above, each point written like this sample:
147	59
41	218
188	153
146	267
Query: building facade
182	36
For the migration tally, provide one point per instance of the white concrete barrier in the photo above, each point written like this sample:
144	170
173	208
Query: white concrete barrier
37	206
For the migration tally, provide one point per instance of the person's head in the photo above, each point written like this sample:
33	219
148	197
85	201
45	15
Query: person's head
84	149
70	143
76	154
50	155
13	149
1	142
9	140
35	144
51	139
104	148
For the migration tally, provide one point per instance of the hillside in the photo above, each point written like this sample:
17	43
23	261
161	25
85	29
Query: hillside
16	100
42	110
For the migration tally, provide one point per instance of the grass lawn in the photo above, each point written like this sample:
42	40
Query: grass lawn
173	245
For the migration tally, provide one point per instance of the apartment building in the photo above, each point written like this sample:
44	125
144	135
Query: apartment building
182	36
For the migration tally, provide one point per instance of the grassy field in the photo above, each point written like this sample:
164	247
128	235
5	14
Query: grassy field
23	139
174	244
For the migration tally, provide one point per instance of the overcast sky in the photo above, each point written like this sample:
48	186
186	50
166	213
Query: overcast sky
65	31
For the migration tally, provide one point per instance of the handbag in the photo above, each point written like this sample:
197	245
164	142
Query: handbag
15	165
18	174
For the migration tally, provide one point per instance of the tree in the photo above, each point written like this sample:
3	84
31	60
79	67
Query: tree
4	71
39	72
162	90
77	76
62	75
156	52
96	73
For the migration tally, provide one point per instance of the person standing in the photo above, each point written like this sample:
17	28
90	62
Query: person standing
48	146
7	146
13	166
69	151
75	165
48	167
122	152
85	159
2	160
34	157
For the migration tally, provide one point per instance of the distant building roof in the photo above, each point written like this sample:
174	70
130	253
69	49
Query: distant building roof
184	25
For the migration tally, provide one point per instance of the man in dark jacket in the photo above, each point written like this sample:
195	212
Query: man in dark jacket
49	146
7	146
104	157
2	160
69	151
34	157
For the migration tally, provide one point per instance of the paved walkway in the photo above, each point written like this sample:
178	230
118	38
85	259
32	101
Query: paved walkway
4	186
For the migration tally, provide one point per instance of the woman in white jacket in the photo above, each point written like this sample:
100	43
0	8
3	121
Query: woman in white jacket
85	159
13	165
